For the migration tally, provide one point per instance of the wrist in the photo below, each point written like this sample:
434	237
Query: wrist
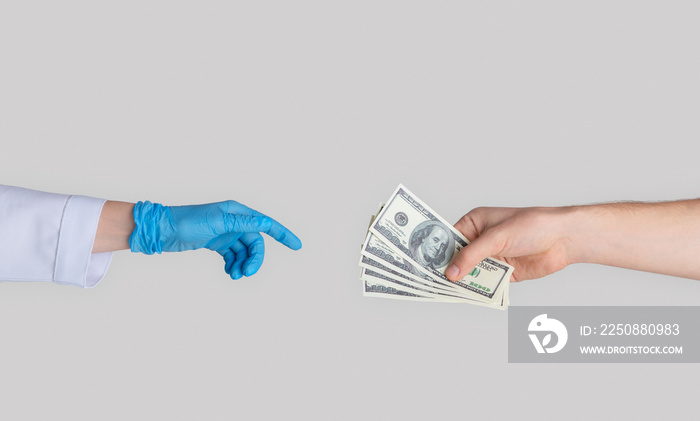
115	225
585	229
146	236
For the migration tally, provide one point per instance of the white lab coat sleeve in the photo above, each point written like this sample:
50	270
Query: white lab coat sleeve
49	237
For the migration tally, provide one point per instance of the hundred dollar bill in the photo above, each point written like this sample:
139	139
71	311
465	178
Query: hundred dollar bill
397	289
400	284
384	282
428	244
394	277
378	256
378	284
381	290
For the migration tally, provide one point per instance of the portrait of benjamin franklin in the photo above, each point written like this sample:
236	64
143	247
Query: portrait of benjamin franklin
431	245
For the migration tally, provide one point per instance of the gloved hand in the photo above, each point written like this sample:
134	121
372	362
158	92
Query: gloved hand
229	228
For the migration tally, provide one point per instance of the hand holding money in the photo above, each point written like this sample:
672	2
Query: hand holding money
528	238
409	246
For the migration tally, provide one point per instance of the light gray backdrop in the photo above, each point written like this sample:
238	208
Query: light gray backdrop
313	112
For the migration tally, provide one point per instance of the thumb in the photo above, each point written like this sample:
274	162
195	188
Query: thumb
486	245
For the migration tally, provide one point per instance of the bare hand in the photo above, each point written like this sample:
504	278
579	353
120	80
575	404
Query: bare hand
532	240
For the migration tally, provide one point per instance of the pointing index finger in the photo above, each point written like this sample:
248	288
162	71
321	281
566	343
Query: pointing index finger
280	233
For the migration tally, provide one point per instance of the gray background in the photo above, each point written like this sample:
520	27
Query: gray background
313	112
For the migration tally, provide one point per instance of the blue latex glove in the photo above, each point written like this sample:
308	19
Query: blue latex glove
229	228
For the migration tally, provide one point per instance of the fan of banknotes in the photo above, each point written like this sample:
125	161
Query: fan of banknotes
409	246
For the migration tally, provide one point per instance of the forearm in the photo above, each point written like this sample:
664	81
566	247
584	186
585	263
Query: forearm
115	226
653	237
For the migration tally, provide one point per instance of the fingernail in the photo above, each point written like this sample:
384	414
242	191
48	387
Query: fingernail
452	272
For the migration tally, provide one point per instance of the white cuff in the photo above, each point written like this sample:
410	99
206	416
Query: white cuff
75	263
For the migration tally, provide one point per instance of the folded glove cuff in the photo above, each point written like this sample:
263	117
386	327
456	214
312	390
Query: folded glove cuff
146	235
